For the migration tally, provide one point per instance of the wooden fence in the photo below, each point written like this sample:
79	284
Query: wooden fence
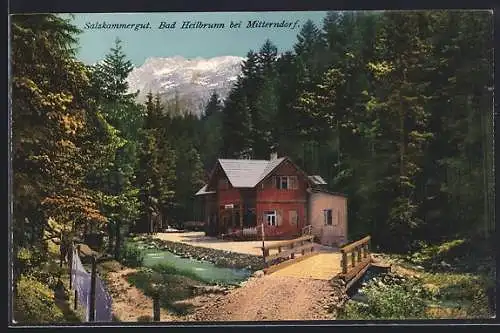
356	259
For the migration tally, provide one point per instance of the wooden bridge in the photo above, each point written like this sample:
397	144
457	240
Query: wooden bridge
299	258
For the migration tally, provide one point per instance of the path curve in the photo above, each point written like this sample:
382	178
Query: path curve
270	298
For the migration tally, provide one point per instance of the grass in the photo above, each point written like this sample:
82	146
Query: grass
170	286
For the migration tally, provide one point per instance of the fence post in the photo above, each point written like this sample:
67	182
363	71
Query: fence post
353	258
76	300
263	246
156	306
92	289
344	263
359	249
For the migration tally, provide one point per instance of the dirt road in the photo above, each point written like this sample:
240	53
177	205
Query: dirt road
261	299
270	298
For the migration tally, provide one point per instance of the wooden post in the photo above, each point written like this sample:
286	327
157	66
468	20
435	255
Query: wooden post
76	300
156	306
353	258
365	250
359	249
344	263
92	290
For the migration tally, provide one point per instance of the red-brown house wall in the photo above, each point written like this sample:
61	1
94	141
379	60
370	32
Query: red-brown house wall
282	210
271	198
271	193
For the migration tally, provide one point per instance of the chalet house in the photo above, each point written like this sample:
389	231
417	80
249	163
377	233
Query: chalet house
241	195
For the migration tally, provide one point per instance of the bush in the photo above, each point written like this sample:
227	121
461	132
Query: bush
131	256
35	304
27	260
395	301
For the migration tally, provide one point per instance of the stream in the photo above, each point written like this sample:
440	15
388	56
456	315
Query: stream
205	270
354	292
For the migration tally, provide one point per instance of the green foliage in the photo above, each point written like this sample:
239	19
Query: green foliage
131	256
403	300
157	164
473	255
34	303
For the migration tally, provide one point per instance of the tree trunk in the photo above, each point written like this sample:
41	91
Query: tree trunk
111	236
118	239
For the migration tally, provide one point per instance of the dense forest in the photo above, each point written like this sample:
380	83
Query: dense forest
394	109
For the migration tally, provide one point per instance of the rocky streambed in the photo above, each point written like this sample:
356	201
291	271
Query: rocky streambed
219	258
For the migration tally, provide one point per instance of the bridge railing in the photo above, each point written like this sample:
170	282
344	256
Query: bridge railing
287	249
355	258
307	230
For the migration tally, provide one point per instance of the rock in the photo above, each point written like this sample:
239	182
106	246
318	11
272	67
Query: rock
258	274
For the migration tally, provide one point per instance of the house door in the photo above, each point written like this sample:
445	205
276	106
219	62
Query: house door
226	219
293	219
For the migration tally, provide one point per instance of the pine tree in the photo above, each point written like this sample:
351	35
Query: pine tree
213	107
157	160
110	92
237	127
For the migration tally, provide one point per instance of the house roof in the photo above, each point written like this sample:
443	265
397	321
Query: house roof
317	180
245	173
320	190
203	190
248	173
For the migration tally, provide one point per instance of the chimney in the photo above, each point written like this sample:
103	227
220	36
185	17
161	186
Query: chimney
273	156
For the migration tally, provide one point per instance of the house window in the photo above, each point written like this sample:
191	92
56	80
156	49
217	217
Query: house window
283	183
287	182
328	216
271	218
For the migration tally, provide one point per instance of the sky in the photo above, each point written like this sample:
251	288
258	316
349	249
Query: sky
189	43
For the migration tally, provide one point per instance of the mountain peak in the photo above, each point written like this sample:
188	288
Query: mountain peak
192	80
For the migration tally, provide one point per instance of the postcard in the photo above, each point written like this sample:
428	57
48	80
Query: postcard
229	167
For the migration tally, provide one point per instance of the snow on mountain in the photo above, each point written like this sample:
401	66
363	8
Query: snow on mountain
192	80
